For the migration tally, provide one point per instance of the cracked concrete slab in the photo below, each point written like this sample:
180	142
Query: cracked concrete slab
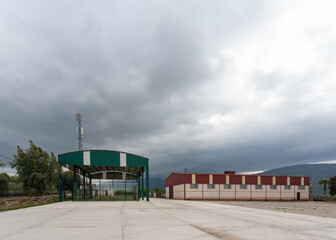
159	219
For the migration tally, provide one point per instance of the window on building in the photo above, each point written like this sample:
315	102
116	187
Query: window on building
211	186
194	186
302	187
258	186
227	186
287	187
243	186
273	187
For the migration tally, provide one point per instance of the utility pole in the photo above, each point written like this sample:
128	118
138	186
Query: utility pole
79	131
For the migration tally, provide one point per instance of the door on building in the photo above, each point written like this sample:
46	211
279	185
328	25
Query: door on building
171	192
298	196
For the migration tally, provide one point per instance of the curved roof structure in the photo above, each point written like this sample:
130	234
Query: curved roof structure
95	162
106	164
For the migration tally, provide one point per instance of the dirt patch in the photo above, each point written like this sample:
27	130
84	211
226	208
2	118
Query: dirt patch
321	209
218	233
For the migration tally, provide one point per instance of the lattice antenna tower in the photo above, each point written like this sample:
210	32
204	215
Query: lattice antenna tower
80	131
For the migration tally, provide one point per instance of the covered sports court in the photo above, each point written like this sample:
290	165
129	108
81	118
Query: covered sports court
105	175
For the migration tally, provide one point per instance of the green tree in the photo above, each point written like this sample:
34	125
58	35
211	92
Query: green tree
15	186
4	179
37	170
159	192
14	179
324	182
2	164
67	178
332	186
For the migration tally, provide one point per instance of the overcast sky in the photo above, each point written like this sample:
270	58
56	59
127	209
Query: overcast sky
203	85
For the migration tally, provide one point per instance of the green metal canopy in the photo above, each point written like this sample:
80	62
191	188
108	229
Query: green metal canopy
107	164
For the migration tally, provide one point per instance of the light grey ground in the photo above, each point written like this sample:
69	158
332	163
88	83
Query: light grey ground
159	219
318	208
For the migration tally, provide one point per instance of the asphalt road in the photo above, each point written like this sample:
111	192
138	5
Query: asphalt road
159	219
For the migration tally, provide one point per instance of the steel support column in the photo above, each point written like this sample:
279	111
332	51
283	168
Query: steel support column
60	188
100	189
125	189
138	181
142	185
147	184
113	188
84	195
74	188
90	187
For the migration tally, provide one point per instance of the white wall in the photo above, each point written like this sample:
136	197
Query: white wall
288	194
227	193
304	194
210	193
251	193
272	194
243	194
194	193
179	191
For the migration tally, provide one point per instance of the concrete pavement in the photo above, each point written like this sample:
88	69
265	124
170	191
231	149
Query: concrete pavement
159	219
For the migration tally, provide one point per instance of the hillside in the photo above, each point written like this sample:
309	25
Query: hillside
316	172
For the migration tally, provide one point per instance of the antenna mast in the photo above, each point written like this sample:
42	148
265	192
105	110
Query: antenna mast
79	131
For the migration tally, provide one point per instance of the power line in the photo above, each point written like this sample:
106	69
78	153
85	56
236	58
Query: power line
6	157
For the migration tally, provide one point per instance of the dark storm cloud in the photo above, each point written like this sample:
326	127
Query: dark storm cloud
176	82
310	141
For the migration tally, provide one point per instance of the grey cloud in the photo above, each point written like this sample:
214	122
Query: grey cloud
139	73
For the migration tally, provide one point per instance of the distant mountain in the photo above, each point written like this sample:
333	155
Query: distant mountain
316	172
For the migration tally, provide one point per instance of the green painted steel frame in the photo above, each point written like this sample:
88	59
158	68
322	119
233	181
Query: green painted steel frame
106	160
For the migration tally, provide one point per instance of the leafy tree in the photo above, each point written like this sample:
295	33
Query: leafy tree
14	179
15	186
67	178
4	179
332	186
37	170
324	182
159	192
2	164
